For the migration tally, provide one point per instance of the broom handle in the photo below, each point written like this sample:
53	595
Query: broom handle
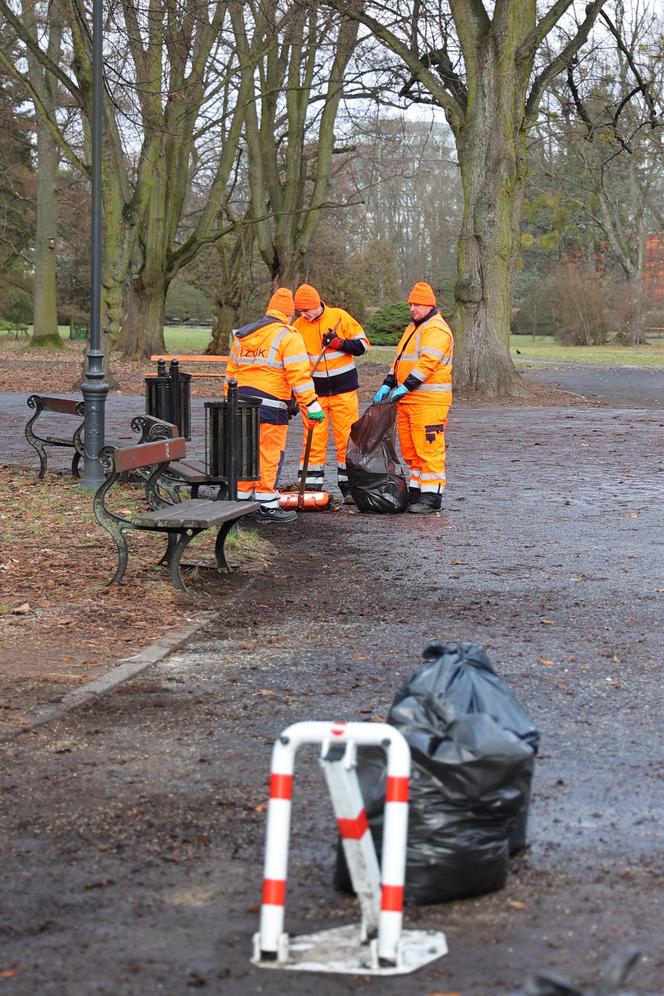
305	465
307	449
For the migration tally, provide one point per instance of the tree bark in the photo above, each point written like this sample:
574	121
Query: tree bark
227	320
45	308
142	332
492	161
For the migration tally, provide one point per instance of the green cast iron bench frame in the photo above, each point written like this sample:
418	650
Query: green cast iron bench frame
146	428
62	406
181	522
188	473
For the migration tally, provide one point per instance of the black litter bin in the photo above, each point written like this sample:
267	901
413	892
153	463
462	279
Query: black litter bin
232	435
168	396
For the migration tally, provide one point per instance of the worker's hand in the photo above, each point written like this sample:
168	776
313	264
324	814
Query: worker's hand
398	392
315	412
381	393
331	340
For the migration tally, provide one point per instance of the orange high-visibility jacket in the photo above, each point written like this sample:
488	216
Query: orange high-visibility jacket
269	361
336	372
423	361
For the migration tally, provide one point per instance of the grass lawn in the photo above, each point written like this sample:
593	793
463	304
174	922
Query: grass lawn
186	339
546	348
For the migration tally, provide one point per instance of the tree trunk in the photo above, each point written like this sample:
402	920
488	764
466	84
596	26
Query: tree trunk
227	319
492	161
142	332
45	311
235	265
45	308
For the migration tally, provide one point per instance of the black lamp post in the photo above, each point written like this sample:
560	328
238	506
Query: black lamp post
94	386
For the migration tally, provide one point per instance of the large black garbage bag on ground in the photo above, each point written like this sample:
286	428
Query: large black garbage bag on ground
462	676
375	475
472	748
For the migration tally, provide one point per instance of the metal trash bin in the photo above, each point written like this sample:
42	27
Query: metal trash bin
168	396
232	438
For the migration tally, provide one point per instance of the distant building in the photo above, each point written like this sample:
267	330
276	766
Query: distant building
652	278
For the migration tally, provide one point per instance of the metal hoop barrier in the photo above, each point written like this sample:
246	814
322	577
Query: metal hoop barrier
377	945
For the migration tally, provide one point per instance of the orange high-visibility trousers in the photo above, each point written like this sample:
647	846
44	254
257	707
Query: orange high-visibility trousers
271	447
421	427
341	410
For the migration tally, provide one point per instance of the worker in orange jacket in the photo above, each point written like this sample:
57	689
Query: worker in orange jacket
340	338
269	361
420	380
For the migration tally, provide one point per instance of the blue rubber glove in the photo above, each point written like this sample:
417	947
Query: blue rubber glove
398	392
381	393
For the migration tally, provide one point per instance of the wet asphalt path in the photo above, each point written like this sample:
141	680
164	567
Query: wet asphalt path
134	828
633	387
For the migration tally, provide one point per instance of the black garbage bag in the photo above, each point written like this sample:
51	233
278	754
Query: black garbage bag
472	748
375	475
464	678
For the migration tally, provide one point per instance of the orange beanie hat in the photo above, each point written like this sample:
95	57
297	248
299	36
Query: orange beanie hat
422	293
307	298
282	300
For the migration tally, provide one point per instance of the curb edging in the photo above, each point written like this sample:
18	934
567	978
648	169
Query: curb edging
127	669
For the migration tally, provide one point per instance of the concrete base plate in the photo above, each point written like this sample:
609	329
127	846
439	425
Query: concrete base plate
341	950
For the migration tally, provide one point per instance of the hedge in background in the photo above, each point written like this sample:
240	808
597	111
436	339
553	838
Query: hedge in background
385	326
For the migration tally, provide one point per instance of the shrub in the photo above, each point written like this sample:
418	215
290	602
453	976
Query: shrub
188	303
538	314
582	304
18	311
386	325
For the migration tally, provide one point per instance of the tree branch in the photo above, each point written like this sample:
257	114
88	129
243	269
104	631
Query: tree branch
32	44
35	96
643	86
547	23
420	72
562	60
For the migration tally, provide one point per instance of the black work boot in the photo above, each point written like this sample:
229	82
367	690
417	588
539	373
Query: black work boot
277	514
413	495
427	504
345	491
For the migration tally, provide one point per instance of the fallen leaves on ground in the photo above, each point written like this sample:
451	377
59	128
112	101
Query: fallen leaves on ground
61	624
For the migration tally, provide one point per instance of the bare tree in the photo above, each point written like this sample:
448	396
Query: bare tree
484	66
45	312
290	123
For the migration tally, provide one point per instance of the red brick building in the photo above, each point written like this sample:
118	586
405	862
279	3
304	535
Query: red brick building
653	271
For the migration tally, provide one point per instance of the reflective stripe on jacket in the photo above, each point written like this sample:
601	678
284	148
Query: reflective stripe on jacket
424	359
269	361
336	372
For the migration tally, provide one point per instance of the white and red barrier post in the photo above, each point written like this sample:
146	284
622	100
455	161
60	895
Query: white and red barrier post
271	941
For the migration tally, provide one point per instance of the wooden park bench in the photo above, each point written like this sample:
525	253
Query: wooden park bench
62	406
189	473
144	426
181	522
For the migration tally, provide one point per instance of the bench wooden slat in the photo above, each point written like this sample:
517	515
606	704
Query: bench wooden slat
192	358
133	457
63	405
193	472
199	513
208	375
